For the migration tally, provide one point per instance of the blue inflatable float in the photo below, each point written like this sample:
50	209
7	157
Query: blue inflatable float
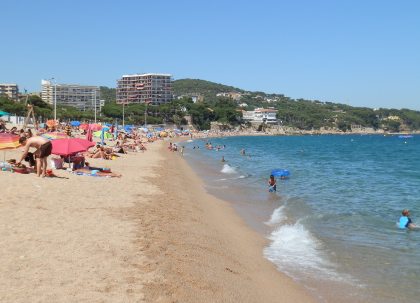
280	172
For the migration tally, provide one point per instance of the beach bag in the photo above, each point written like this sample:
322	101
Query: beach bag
57	163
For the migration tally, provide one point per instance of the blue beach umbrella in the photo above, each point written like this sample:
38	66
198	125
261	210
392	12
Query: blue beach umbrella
75	123
2	113
279	172
128	128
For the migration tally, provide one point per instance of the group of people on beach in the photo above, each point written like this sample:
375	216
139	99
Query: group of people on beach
38	140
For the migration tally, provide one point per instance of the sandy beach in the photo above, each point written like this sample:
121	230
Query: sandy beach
153	235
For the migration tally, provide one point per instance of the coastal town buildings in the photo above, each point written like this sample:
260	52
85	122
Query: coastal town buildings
144	88
194	97
232	95
83	97
11	90
260	115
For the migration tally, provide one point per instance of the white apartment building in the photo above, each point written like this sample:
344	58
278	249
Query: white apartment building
82	97
144	88
10	90
260	115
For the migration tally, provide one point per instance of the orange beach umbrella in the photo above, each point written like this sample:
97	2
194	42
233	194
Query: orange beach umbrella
8	141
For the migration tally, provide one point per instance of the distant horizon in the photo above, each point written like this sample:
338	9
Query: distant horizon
364	54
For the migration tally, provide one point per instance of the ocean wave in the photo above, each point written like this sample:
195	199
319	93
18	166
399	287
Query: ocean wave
294	247
227	169
278	216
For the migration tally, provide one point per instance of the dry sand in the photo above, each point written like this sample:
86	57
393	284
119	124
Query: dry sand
153	235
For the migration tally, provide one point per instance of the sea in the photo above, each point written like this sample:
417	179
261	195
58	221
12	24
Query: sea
331	225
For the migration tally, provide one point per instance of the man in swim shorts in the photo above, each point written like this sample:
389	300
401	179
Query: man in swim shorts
43	150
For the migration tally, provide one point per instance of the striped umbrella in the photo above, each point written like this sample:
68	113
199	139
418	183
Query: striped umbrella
8	141
54	136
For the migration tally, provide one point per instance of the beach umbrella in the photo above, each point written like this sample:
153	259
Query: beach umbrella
2	113
84	126
95	127
52	123
8	141
88	144
54	135
66	147
75	123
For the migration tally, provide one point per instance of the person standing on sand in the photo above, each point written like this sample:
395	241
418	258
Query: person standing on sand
43	150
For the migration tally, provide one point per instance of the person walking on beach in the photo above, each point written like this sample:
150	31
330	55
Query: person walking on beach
43	150
272	185
405	220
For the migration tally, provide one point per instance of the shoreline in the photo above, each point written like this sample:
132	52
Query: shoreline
220	259
153	235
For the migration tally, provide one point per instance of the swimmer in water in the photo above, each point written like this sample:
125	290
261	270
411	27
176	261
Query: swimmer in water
405	220
272	185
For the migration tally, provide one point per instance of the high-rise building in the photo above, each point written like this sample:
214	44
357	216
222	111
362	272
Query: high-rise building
144	88
82	97
10	90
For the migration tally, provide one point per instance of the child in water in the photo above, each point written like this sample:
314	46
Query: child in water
405	220
272	185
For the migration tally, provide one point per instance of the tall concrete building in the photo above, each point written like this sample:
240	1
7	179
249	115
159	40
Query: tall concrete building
10	90
82	97
144	88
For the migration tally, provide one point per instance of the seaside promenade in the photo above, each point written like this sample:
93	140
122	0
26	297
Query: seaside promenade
153	235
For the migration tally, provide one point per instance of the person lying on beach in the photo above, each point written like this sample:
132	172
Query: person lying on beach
118	148
13	131
43	150
405	220
99	154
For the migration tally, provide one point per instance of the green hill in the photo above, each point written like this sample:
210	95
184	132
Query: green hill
306	114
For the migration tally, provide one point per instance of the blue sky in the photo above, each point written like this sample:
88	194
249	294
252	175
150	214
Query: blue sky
362	53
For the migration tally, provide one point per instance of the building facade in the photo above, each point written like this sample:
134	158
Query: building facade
144	88
10	90
260	115
82	97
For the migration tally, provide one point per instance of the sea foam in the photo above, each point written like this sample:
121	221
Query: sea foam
277	217
294	247
227	169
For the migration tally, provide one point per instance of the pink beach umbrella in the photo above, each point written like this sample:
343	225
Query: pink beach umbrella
66	147
95	127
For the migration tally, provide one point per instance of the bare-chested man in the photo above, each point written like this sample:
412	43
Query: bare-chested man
43	150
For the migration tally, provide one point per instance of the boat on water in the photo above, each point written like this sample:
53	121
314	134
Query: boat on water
405	136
